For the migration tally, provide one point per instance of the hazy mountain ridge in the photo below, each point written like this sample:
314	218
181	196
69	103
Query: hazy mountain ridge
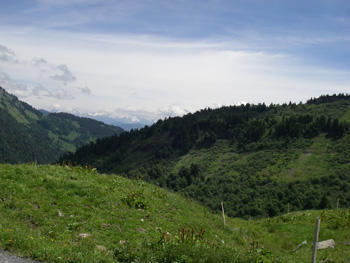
258	159
26	134
123	123
126	124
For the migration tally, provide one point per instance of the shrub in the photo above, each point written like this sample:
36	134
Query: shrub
136	200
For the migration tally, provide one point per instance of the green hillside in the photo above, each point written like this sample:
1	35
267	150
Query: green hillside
258	159
73	214
70	131
28	135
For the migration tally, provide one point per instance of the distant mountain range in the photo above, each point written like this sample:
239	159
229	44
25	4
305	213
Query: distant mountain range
124	123
27	134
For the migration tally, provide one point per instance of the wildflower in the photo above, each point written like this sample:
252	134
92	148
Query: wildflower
31	237
51	240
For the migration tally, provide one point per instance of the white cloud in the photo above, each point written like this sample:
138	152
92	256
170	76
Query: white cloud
65	75
7	55
40	63
38	90
172	111
35	77
12	85
60	94
7	50
152	77
85	90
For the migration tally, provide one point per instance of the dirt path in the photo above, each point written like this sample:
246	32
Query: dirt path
7	257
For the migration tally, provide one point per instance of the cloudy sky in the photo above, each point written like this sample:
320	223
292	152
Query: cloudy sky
155	58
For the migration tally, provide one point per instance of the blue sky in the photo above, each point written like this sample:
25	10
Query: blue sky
150	59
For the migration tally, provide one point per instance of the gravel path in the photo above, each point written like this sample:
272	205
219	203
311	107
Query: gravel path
7	257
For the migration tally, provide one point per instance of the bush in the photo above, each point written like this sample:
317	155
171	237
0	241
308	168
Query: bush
136	200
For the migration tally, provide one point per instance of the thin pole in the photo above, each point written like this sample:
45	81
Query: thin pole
314	248
223	211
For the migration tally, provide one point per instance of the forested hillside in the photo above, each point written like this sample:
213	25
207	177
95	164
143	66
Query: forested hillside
28	135
259	160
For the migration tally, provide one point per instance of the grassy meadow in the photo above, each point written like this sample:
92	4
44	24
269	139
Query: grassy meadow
73	214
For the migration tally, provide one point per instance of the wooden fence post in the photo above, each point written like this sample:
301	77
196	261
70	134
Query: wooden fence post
314	248
223	212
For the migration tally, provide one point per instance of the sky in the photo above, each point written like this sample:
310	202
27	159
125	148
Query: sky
150	59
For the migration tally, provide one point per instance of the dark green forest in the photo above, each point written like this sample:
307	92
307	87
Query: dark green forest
27	135
259	160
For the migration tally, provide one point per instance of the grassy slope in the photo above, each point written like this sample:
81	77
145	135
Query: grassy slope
31	196
17	109
221	159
